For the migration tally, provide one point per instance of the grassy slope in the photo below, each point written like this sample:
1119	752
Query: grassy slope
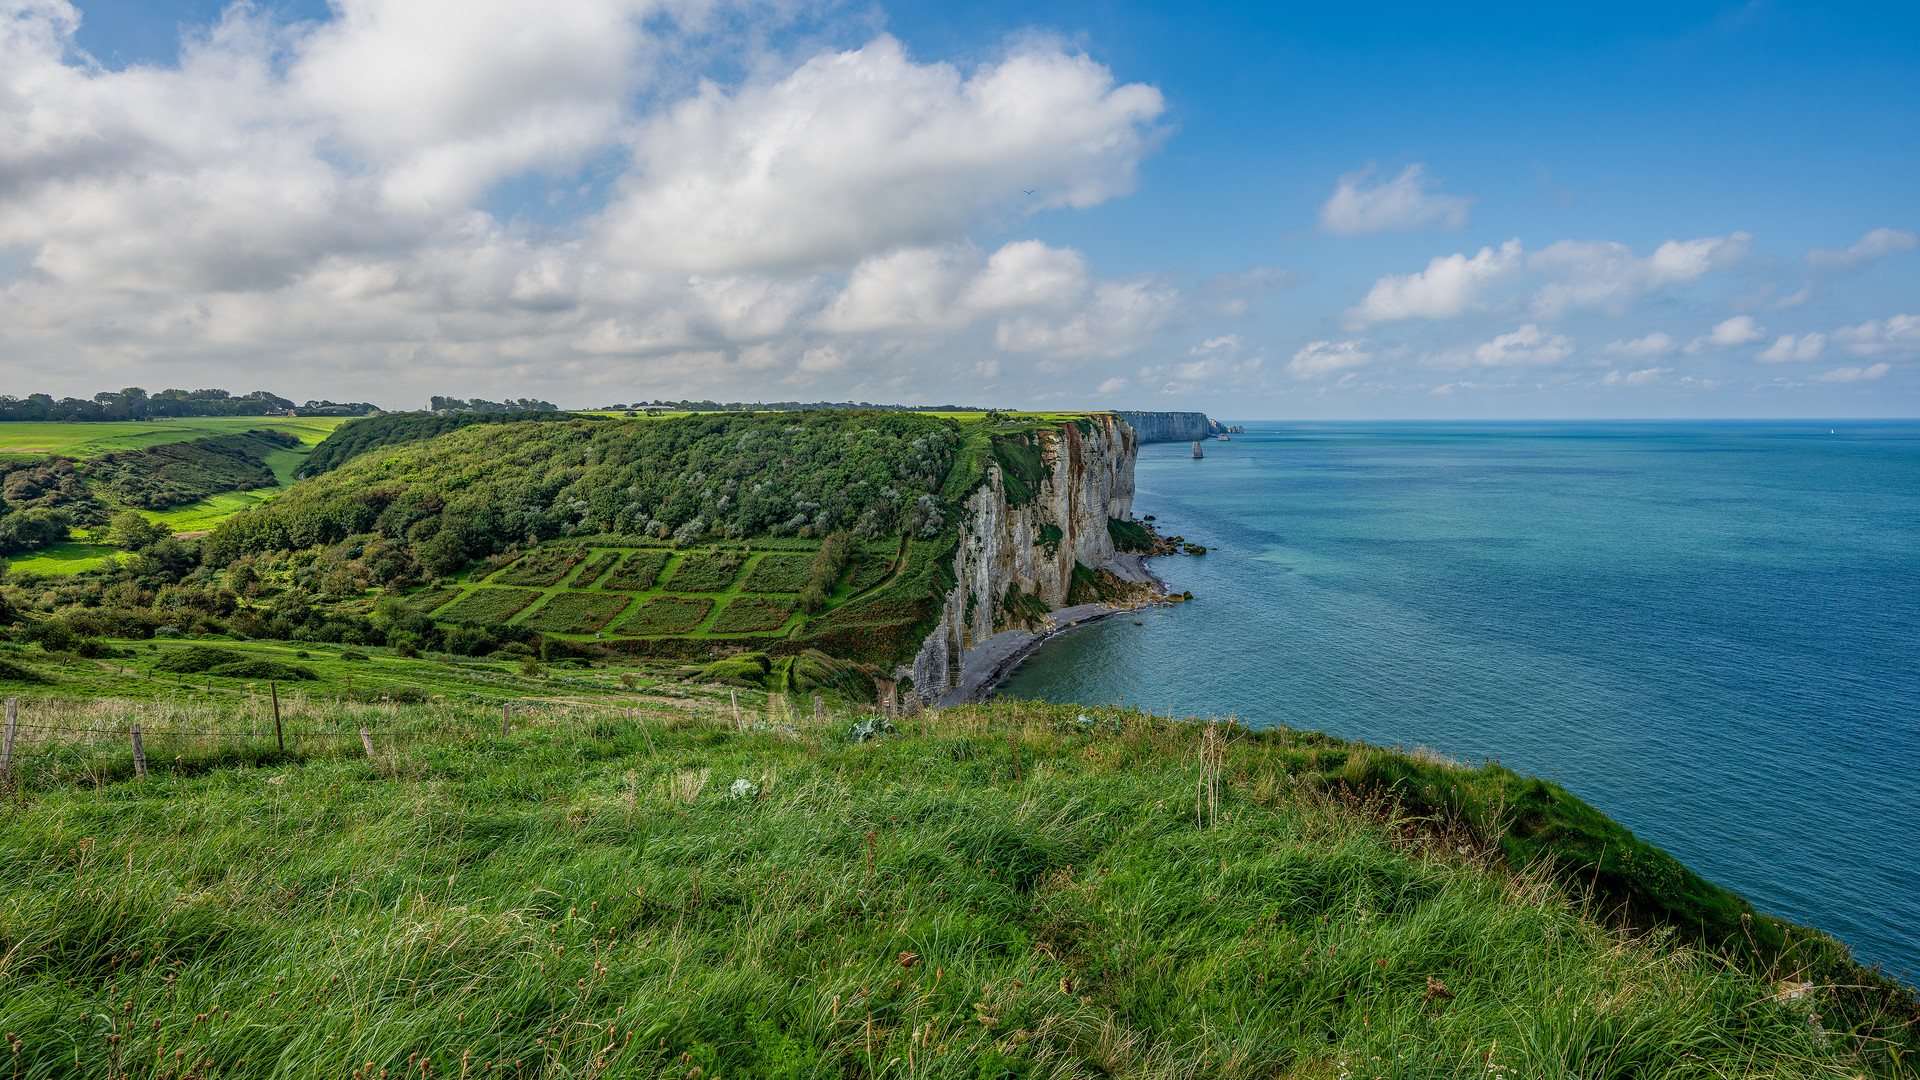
86	439
995	892
83	440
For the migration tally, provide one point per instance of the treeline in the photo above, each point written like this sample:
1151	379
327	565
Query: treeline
133	403
356	437
487	487
482	405
685	405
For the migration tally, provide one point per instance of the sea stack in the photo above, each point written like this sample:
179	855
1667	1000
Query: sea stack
1197	455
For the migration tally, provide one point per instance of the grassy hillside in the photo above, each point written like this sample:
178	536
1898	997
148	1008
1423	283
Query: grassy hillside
1009	891
84	440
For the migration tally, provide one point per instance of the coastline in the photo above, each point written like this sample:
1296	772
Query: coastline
988	665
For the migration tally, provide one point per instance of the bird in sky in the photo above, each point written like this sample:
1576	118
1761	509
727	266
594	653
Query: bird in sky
1028	190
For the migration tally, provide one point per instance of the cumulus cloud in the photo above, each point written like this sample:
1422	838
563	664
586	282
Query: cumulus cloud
1218	364
1643	377
1788	348
1739	330
1899	334
1871	246
1402	204
1529	345
1318	359
1448	285
312	194
1654	344
1566	275
1854	374
1610	277
865	150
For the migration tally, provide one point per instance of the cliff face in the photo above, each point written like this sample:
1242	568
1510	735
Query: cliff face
1170	426
1030	549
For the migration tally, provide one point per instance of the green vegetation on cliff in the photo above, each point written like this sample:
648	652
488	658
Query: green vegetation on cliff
1007	891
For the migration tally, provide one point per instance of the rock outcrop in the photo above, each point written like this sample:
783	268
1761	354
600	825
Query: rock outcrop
1016	561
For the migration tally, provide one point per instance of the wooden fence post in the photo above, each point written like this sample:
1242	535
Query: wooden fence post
366	740
6	752
737	725
139	754
819	709
506	715
274	692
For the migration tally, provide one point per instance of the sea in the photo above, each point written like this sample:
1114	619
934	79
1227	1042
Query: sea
1709	630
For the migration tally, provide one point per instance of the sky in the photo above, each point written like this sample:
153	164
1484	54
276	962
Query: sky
1261	211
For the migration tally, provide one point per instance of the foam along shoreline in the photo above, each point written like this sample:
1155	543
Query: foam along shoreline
989	664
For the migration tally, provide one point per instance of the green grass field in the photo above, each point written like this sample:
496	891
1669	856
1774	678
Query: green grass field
86	439
1019	891
68	558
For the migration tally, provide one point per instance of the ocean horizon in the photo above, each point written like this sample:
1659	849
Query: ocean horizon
1708	629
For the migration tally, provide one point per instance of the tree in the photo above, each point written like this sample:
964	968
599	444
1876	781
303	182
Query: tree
131	531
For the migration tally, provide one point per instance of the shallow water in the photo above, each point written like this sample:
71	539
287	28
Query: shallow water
1709	630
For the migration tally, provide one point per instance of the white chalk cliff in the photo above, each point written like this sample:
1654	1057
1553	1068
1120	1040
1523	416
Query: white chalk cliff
1006	547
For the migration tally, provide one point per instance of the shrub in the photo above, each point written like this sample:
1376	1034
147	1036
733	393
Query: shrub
576	613
485	607
667	615
749	614
779	572
198	658
703	571
639	572
539	568
745	667
257	668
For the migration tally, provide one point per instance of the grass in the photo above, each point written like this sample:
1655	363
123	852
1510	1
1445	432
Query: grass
868	571
752	614
487	606
639	572
667	615
68	557
576	612
779	572
85	439
995	892
701	571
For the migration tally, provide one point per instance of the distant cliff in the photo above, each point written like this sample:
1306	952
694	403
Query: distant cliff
1172	426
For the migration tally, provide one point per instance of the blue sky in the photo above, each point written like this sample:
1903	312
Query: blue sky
1260	211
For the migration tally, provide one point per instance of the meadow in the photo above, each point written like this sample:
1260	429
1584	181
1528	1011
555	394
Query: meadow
674	889
84	439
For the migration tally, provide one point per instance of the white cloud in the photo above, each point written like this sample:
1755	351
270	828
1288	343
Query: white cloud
1654	344
1114	385
1739	330
1117	318
1871	246
1898	334
1402	204
1609	276
1321	358
1643	377
1789	348
301	204
862	151
1448	285
1854	374
1529	346
1568	274
1797	297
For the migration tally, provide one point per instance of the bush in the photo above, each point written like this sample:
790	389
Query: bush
751	614
576	612
198	658
702	571
746	667
667	615
639	572
257	668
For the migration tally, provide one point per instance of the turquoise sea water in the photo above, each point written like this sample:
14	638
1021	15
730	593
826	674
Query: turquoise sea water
1709	630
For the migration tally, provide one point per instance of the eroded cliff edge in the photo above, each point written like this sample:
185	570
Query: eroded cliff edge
1037	537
